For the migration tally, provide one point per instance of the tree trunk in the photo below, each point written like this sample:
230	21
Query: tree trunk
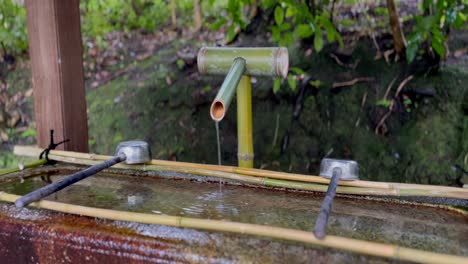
253	10
399	41
173	14
137	7
197	15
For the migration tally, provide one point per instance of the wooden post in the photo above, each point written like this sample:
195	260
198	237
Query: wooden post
56	54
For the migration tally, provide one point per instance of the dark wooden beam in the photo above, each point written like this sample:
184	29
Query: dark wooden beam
56	54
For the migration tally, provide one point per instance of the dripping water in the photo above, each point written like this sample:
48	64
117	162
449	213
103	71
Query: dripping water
219	151
218	141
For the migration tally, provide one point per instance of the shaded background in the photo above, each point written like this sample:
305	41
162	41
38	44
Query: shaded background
403	118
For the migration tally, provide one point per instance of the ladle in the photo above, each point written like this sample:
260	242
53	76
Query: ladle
130	152
335	169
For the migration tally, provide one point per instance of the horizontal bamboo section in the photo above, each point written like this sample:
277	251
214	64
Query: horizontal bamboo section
263	177
25	166
335	242
273	62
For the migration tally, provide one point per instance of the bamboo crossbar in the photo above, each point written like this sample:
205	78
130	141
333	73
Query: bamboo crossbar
25	166
336	242
262	177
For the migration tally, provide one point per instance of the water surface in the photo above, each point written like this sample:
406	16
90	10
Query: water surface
409	225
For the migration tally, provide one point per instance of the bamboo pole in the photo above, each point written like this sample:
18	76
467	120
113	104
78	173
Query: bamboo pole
224	97
341	243
57	154
273	179
265	61
245	153
25	166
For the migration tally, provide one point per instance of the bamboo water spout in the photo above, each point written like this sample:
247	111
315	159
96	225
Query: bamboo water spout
224	97
235	62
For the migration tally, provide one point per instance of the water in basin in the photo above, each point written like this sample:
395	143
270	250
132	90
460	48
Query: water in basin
410	225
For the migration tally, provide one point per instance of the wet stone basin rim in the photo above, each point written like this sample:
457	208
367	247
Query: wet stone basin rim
352	245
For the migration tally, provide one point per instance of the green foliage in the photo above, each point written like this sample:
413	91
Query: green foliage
292	82
103	16
295	21
180	64
28	133
433	26
7	160
13	35
236	18
276	85
384	102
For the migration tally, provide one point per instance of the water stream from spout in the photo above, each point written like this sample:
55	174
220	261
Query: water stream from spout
218	142
219	149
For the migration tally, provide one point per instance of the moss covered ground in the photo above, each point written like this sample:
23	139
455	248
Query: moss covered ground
164	100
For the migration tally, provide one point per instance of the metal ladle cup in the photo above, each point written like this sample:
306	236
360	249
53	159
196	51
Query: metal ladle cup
130	152
335	169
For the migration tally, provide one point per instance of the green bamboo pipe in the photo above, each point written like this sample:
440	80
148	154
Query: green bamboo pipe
224	97
25	166
263	61
245	154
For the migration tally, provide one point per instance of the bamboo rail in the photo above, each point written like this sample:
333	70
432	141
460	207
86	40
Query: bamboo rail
262	177
25	166
341	243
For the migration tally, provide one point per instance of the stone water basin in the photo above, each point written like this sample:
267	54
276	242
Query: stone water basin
34	235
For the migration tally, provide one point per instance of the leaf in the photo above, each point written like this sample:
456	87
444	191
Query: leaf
218	23
438	46
303	31
384	102
451	15
414	38
232	6
288	39
331	32
279	15
296	70
458	23
231	33
275	33
28	133
318	40
285	26
340	40
411	51
426	23
276	85
315	83
290	11
292	82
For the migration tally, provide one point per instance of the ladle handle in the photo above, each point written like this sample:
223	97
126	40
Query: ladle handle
57	186
322	219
